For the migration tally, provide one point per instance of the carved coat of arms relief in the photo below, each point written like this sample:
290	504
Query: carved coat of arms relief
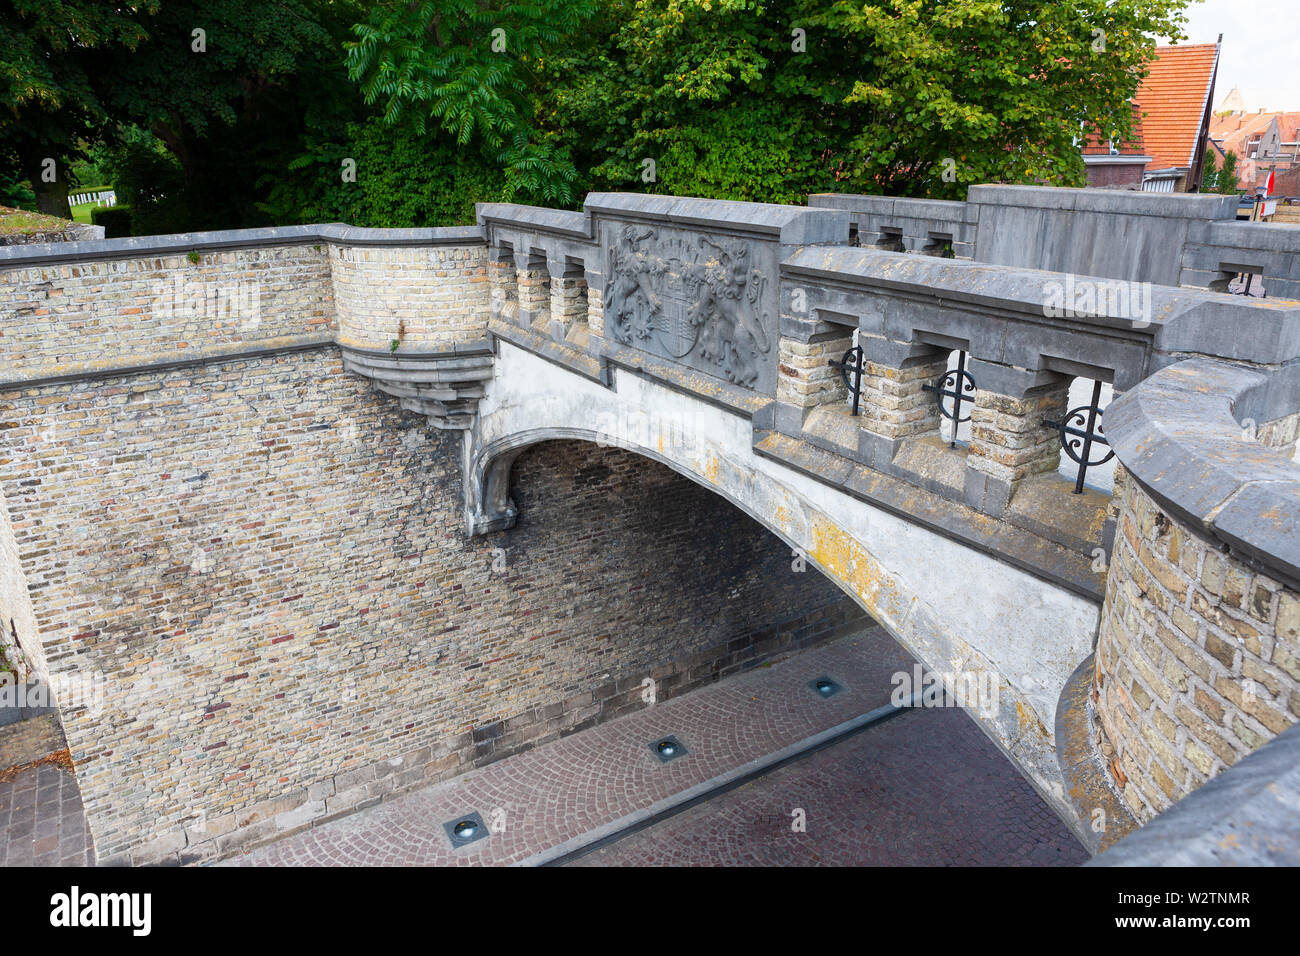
693	298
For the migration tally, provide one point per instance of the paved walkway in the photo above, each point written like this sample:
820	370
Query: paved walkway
559	797
923	789
41	820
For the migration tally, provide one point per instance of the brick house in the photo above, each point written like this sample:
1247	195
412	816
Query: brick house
1112	164
1175	98
1171	126
1263	142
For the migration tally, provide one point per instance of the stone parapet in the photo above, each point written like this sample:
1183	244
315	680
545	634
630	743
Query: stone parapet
63	319
926	226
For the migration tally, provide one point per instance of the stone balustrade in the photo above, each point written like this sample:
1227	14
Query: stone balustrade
1025	334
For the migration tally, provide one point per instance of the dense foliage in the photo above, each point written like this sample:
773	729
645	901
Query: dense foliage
407	112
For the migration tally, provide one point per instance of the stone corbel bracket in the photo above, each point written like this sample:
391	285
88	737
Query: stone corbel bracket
444	385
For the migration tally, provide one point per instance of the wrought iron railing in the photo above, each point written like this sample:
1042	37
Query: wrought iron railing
1081	430
957	385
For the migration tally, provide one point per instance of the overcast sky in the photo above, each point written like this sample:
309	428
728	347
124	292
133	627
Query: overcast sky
1261	43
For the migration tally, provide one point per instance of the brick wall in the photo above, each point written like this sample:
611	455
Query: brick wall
263	561
1198	658
429	297
1115	175
76	317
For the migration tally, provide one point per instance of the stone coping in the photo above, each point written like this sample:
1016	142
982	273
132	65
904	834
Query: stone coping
417	355
891	206
1179	435
574	225
133	247
192	358
1199	206
1266	331
1246	816
791	225
1255	236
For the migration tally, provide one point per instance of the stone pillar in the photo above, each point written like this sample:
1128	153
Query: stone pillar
568	300
895	404
504	286
1008	442
534	281
804	379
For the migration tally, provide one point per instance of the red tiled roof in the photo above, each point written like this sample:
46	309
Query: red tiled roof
1235	130
1173	97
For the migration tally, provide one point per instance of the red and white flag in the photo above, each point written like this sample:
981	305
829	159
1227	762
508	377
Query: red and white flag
1268	189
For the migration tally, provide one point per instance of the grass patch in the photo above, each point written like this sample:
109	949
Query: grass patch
20	222
81	211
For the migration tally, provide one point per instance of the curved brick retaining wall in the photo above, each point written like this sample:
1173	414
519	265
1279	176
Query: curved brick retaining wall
425	298
1198	655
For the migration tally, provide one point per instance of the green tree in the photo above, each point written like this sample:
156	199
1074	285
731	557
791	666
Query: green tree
1220	179
229	88
404	178
472	68
51	52
697	98
957	92
753	100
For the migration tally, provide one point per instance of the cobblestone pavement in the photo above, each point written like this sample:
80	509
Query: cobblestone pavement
580	784
562	790
41	819
926	788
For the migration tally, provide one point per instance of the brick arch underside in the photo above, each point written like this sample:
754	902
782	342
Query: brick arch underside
1022	728
664	562
822	545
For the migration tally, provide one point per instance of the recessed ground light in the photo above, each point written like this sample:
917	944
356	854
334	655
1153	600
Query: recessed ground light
465	829
825	687
667	748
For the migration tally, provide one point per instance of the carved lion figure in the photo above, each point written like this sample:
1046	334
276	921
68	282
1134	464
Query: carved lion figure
725	311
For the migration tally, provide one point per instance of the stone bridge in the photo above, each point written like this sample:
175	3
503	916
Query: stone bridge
1142	640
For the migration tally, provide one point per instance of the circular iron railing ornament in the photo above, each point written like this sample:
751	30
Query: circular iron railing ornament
851	372
959	388
1076	419
1080	430
956	385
